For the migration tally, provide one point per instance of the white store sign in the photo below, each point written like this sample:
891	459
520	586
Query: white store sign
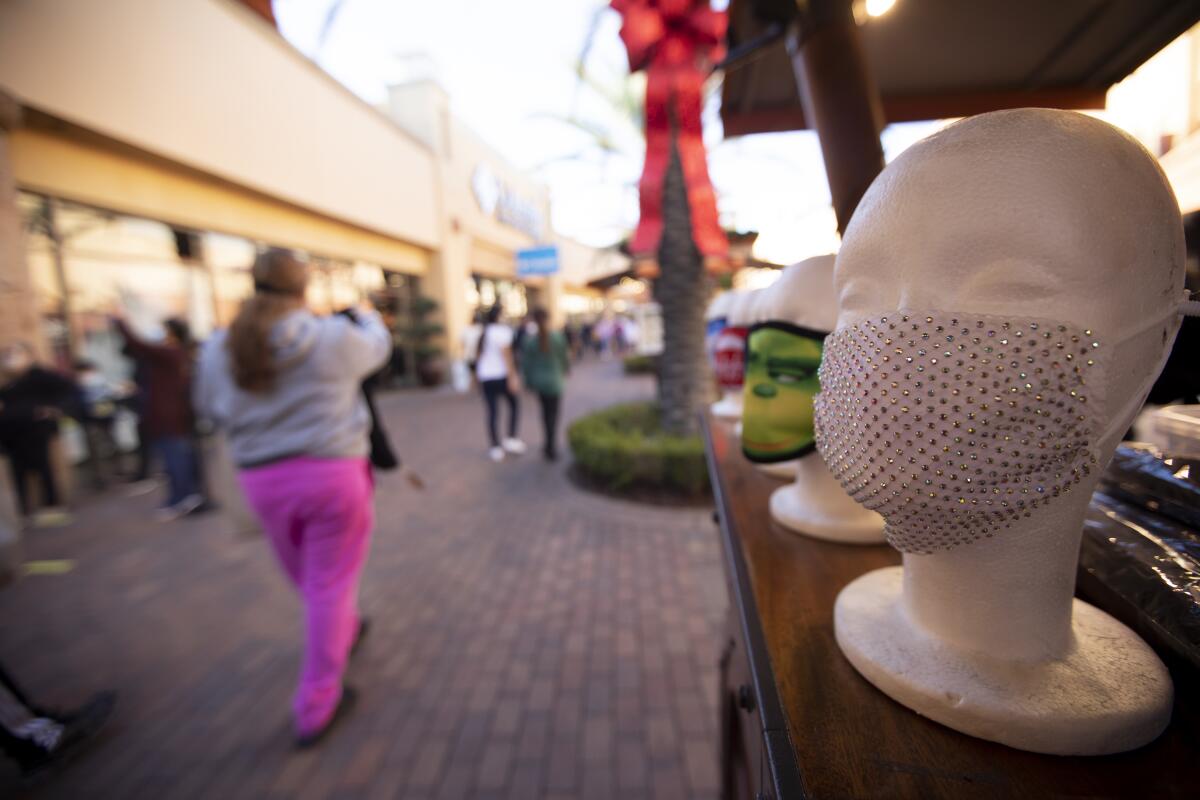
501	200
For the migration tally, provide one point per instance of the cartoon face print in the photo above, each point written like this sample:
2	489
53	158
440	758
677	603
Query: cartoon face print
780	383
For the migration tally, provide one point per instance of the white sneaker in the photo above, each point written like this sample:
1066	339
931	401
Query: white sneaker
514	446
189	504
142	487
496	454
181	509
166	514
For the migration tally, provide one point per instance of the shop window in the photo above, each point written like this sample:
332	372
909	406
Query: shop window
229	259
395	301
111	263
510	295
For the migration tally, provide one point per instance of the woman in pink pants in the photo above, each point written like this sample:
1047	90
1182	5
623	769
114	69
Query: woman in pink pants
284	385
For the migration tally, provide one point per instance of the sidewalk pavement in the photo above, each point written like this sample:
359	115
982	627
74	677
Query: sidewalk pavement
529	640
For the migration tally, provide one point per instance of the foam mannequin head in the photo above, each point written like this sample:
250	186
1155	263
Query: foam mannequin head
760	304
783	470
715	318
1031	213
804	295
1085	254
741	309
718	307
814	504
728	354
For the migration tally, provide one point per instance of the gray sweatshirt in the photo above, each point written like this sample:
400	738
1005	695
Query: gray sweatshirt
316	407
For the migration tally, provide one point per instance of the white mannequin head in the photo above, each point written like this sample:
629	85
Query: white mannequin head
715	319
804	295
760	304
727	348
815	504
741	308
718	307
1026	213
1016	215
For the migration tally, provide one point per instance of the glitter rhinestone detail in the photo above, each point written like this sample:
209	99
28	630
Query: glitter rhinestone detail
955	427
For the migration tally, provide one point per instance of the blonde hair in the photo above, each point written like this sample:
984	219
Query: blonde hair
279	283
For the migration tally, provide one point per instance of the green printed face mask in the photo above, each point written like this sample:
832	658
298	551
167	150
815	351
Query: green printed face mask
781	381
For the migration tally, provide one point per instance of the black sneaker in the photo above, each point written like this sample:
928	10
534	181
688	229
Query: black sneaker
345	706
77	728
364	626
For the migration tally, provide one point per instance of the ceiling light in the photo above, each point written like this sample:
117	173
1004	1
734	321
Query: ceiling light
877	8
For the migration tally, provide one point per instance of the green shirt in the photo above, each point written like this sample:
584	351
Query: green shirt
544	372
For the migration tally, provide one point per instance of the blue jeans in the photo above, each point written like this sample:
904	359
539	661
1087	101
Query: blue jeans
178	455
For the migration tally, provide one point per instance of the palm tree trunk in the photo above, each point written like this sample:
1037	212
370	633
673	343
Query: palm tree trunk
684	383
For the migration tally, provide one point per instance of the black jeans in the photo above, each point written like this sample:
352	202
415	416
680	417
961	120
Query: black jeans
550	406
492	392
102	450
145	454
31	454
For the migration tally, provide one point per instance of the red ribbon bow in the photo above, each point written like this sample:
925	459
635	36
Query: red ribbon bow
675	42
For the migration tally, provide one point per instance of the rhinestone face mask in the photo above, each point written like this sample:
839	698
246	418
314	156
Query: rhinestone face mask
952	426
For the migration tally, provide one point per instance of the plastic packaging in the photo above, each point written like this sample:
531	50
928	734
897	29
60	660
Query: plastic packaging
1144	569
1140	555
1176	430
1168	485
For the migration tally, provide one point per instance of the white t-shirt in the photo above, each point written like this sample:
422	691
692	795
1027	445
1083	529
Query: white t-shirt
491	365
470	340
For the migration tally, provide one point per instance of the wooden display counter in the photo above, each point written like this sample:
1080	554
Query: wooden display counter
799	721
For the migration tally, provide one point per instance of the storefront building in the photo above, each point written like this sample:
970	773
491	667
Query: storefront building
141	170
490	212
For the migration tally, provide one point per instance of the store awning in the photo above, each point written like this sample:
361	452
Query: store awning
53	158
934	59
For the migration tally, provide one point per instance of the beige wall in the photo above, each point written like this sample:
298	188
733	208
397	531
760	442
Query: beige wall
475	241
206	84
121	180
472	241
468	153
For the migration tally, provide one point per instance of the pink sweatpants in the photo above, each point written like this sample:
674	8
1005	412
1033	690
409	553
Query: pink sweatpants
318	514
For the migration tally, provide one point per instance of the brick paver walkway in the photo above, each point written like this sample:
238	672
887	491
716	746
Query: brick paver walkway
530	640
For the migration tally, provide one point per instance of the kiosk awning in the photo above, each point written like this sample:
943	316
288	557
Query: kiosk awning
935	59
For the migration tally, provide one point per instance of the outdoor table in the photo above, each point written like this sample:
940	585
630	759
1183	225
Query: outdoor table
799	721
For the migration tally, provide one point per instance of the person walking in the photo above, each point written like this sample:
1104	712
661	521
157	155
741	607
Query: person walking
544	364
32	401
167	415
284	384
39	739
141	481
497	375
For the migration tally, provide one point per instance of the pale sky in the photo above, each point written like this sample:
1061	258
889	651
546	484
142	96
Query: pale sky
509	71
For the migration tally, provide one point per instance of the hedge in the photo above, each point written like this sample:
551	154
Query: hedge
623	446
641	365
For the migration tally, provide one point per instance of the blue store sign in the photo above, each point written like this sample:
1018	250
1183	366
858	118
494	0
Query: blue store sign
537	261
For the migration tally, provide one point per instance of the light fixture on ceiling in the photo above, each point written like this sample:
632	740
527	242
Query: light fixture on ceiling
877	8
